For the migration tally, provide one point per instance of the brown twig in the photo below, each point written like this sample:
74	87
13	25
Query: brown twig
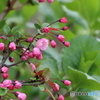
9	7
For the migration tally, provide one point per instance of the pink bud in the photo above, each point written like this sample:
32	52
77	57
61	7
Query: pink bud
2	37
11	87
24	57
56	88
11	59
67	82
2	46
50	1
21	96
39	57
42	44
53	43
45	30
67	44
18	85
33	67
7	83
63	20
36	52
12	46
2	86
5	75
4	69
60	97
41	0
31	55
61	38
65	28
30	39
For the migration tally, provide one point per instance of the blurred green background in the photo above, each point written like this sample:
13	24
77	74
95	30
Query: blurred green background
79	63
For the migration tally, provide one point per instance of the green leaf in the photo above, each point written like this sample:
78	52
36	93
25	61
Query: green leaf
37	26
41	87
82	80
83	46
6	29
28	11
15	29
2	23
89	9
3	91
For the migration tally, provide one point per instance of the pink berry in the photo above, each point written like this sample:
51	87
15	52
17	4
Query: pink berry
2	46
67	44
5	75
50	1
61	38
33	67
63	20
53	43
18	85
45	30
30	39
41	0
56	88
67	82
60	97
12	46
42	44
7	83
4	69
65	28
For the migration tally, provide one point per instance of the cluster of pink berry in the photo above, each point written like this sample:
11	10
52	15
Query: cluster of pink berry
31	51
49	1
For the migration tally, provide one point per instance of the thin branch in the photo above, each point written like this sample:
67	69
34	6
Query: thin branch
15	63
5	58
5	12
34	84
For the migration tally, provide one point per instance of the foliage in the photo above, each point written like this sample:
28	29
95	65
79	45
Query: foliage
80	63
